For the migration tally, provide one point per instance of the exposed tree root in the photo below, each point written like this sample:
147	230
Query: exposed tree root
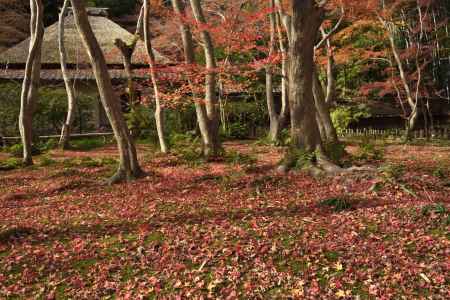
322	166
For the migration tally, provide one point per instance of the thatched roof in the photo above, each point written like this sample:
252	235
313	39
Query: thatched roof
55	75
104	29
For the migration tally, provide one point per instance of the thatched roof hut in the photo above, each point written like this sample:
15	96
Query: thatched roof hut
106	31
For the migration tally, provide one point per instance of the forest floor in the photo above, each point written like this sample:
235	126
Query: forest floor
228	229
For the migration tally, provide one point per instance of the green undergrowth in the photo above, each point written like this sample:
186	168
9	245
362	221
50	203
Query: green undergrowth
11	164
338	204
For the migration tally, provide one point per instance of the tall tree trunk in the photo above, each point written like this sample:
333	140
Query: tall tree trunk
71	98
212	145
274	118
30	86
323	112
128	167
412	101
331	81
127	51
284	48
306	19
189	55
127	55
159	113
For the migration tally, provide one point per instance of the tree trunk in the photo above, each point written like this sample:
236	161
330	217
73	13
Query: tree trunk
127	55
306	19
159	114
331	81
284	71
323	112
212	145
188	45
274	118
411	123
71	98
128	167
30	86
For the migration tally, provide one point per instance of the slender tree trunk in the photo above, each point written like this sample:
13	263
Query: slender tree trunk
411	123
31	80
127	55
128	167
413	103
212	145
331	81
127	51
159	114
71	98
274	118
189	54
323	112
284	71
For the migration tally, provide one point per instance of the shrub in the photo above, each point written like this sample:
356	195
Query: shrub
48	145
46	161
335	151
237	131
139	119
237	158
298	159
87	143
16	150
392	171
369	151
10	164
342	117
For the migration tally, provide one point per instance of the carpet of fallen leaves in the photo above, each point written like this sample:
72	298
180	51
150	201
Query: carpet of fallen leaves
226	230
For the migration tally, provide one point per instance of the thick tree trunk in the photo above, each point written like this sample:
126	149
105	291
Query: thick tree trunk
31	80
128	167
323	112
305	134
159	113
71	98
306	19
212	145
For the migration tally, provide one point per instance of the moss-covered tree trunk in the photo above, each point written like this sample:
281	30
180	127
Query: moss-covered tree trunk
128	167
30	86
